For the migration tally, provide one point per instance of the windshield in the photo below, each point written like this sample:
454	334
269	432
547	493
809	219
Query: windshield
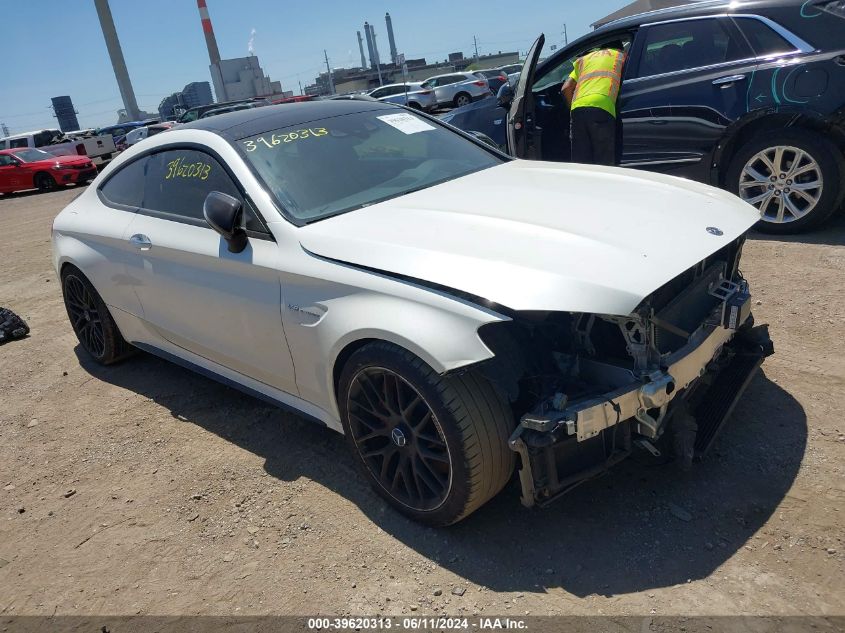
341	163
32	155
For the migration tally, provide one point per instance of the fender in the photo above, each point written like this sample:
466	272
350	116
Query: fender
743	129
324	321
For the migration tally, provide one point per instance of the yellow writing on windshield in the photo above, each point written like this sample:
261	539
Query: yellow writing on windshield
275	140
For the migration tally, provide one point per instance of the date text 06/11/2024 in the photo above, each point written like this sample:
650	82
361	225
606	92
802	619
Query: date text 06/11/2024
421	623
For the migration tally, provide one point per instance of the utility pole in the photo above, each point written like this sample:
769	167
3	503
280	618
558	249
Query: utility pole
329	69
565	38
475	42
300	86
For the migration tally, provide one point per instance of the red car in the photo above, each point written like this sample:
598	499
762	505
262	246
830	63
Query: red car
27	168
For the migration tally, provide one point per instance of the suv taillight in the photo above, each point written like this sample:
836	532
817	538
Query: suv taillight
80	149
479	83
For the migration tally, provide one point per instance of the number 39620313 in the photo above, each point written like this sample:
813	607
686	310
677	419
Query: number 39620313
288	137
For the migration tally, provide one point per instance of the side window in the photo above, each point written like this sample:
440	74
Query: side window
176	182
762	38
18	142
43	138
378	94
126	186
6	160
561	70
688	44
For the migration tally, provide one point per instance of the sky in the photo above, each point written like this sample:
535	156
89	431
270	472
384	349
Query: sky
56	47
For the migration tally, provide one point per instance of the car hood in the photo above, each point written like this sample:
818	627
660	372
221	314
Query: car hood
62	160
70	160
541	236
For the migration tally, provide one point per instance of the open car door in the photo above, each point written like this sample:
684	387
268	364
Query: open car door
523	134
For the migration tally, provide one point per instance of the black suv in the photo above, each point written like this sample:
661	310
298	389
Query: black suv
748	96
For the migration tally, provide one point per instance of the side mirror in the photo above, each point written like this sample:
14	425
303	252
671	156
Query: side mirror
225	215
505	96
481	136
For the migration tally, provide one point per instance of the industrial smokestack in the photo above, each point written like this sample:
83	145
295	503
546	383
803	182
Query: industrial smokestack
117	61
210	40
393	53
361	49
369	35
375	45
213	53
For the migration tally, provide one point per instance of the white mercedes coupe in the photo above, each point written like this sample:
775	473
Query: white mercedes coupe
457	314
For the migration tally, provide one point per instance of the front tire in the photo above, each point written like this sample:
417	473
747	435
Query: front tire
90	319
793	177
435	447
44	182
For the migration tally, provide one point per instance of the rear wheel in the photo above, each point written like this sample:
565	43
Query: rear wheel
435	447
461	99
793	177
44	182
90	319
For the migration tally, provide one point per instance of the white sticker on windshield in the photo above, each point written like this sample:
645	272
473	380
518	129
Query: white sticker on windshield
407	123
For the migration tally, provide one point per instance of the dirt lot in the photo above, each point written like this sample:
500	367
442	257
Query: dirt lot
144	488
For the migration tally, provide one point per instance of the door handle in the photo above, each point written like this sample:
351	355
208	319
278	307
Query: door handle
658	121
141	242
723	81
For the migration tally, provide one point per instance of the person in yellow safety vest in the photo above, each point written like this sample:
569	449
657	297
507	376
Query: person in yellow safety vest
591	91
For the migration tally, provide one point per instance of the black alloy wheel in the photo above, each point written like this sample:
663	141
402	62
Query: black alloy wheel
434	446
84	316
91	320
399	439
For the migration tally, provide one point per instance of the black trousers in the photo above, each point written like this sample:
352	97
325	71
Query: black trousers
593	134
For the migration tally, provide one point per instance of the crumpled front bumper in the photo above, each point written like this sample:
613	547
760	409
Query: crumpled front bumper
562	448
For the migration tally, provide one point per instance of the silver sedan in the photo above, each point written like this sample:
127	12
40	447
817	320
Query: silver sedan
458	89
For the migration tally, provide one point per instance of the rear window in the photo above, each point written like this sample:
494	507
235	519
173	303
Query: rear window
763	39
126	186
688	44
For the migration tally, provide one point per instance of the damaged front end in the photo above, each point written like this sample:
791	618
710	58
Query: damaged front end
588	388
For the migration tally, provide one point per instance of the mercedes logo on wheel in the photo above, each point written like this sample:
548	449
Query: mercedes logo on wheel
398	437
714	230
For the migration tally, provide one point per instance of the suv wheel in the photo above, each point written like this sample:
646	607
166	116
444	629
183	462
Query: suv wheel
792	177
461	99
435	447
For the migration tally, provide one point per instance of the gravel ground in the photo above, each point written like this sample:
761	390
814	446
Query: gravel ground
143	488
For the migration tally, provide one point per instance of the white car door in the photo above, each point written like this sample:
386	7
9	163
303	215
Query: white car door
222	306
